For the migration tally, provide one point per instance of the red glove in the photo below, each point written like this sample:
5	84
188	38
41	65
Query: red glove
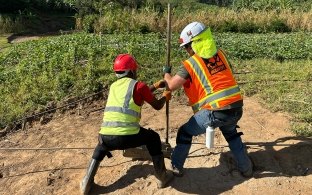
167	94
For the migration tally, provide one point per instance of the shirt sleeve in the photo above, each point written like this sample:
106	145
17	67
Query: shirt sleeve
182	72
142	93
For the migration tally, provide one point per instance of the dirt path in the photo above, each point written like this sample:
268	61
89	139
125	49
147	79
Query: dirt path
279	169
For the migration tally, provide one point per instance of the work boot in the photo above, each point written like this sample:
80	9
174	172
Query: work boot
88	179
249	172
177	172
163	176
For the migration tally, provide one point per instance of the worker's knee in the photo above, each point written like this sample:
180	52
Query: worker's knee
153	139
153	134
100	152
183	137
150	137
235	136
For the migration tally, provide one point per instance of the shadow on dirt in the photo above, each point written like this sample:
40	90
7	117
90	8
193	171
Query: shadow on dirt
136	171
283	159
271	159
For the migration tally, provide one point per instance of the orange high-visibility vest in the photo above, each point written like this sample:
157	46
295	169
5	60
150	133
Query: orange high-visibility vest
212	85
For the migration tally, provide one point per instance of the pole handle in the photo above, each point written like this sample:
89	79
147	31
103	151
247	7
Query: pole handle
168	64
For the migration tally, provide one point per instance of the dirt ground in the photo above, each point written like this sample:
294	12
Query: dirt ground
283	169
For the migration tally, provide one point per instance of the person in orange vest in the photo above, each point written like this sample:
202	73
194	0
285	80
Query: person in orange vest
213	94
120	129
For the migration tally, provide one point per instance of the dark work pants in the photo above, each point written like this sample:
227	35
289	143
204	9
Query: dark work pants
146	137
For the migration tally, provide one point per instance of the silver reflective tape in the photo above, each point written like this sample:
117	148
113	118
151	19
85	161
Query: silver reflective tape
119	124
129	93
216	96
201	75
122	110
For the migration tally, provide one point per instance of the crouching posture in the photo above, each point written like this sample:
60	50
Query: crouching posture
121	129
213	93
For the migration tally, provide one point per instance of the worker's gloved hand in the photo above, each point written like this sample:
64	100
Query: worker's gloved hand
160	84
167	94
167	69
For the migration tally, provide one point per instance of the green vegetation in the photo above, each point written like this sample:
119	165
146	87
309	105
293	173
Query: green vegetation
4	41
268	41
219	19
281	86
8	25
245	16
80	64
35	16
275	46
272	4
37	72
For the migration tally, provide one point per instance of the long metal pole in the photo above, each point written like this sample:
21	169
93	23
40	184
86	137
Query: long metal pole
168	64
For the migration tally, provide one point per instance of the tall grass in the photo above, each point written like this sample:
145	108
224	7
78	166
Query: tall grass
304	5
142	21
220	19
251	21
147	19
8	25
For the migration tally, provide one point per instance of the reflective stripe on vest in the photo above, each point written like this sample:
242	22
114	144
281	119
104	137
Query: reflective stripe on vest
213	98
121	115
211	86
122	110
125	109
119	124
201	75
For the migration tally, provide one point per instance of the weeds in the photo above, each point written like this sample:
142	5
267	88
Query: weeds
80	64
283	87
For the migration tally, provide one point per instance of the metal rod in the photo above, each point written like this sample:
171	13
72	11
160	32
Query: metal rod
168	64
168	35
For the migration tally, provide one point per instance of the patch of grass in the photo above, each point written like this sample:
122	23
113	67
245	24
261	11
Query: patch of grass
282	86
80	64
4	41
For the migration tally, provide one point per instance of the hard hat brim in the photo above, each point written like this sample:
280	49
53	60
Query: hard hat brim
181	45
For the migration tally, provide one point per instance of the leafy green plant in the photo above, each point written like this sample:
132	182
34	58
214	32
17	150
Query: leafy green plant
51	69
88	22
282	87
278	26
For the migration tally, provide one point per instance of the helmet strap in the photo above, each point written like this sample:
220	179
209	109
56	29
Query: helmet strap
122	74
134	74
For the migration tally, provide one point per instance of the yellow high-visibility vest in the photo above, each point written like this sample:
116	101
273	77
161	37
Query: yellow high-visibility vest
121	114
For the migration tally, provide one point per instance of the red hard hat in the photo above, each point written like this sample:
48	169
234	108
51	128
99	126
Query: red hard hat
124	62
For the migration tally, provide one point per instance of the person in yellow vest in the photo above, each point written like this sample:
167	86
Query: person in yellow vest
121	129
213	94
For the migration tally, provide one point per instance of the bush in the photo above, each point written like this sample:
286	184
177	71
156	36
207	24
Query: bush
227	26
278	25
248	27
8	25
88	23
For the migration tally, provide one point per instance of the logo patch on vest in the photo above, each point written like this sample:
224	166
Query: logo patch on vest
215	65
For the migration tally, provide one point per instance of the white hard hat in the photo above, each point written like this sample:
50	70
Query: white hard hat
190	31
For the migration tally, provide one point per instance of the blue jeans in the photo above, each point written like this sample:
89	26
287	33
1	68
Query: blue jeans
226	120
